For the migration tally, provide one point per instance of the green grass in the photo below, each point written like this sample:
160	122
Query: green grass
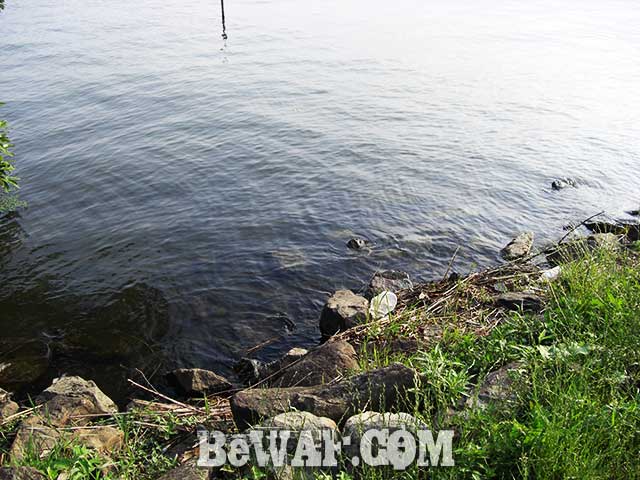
576	412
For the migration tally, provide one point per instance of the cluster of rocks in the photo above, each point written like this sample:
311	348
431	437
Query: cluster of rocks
62	412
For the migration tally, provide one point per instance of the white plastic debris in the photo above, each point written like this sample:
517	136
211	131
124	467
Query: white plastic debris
551	274
383	304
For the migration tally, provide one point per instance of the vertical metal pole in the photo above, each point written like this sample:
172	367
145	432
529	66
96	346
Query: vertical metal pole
224	26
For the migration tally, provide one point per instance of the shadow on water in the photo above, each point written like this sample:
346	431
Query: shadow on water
63	335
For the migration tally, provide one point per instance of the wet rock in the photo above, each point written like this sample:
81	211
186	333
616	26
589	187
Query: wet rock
623	228
20	473
562	183
321	365
497	387
196	381
7	406
357	243
355	427
575	249
186	471
22	362
380	389
391	280
343	310
519	247
251	371
73	398
521	301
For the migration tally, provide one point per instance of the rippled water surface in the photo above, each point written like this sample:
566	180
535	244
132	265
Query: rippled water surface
190	198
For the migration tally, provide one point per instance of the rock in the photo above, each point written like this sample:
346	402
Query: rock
380	389
196	381
343	310
252	371
634	213
71	397
357	243
249	370
391	280
298	424
497	387
355	427
518	247
562	183
628	229
186	471
575	249
322	365
21	473
551	274
524	301
298	421
22	362
33	436
7	406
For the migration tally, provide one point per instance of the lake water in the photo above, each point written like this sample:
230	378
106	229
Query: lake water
191	197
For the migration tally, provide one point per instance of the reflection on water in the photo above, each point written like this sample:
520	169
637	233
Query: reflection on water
185	199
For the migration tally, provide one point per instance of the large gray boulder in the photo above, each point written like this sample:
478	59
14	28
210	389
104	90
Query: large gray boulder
380	389
388	280
519	247
327	362
196	381
343	310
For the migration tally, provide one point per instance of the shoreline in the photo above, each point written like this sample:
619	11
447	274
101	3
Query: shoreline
360	356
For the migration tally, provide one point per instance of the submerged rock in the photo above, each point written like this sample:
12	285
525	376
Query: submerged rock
357	243
388	280
196	381
634	213
251	371
562	183
343	310
381	389
519	247
321	365
22	362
